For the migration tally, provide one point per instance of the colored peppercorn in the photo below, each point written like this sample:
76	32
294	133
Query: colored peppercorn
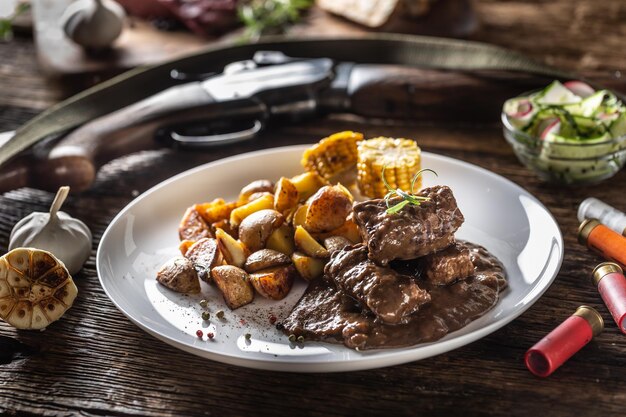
199	334
205	315
292	338
220	314
204	303
210	335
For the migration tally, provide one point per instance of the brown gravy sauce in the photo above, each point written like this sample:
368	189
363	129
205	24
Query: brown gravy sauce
323	313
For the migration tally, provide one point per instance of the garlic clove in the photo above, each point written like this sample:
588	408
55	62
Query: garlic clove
93	24
68	238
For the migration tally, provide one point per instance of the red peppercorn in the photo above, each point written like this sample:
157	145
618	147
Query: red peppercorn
272	319
199	334
210	335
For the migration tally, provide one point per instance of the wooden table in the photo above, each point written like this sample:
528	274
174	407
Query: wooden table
96	362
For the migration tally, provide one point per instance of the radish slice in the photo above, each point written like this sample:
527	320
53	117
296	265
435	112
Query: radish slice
579	88
548	127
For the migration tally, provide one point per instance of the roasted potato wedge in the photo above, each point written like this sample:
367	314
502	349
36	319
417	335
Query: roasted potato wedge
254	187
234	283
307	184
349	230
215	211
204	254
299	217
335	243
256	228
281	240
309	268
192	226
286	195
225	226
178	274
307	244
233	251
184	246
274	283
264	259
328	209
240	213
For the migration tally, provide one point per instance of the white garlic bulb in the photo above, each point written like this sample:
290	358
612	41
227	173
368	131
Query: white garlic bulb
93	24
67	238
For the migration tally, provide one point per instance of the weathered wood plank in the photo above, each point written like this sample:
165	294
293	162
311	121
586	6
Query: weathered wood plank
95	362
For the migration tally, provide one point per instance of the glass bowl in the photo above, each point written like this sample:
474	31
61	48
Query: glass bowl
584	162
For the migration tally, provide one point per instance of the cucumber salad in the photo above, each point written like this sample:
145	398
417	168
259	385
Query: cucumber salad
569	112
568	132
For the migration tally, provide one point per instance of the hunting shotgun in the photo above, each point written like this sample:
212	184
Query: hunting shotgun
177	104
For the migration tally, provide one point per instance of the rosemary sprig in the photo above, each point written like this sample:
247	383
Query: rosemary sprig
261	17
407	197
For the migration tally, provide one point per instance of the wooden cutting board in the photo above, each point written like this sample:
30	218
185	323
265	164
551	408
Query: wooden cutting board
141	44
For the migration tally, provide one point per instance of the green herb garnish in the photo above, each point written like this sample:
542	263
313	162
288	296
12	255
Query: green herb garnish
261	17
407	197
6	23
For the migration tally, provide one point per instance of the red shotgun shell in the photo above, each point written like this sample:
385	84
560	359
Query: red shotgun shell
611	283
563	342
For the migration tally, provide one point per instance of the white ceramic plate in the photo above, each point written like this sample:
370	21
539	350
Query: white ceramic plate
499	215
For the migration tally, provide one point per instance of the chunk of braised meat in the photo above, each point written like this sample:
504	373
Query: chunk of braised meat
389	295
414	231
446	266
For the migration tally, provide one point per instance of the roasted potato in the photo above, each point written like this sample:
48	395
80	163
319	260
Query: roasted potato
309	268
327	209
215	211
307	244
204	254
264	259
178	274
286	195
254	187
240	213
192	226
233	251
281	240
256	228
307	184
349	230
335	243
274	283
258	195
234	283
184	246
225	226
299	217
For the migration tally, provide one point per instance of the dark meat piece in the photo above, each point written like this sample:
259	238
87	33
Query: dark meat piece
324	313
451	264
413	232
390	296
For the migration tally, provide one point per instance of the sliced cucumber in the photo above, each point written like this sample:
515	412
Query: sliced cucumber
618	128
557	94
587	107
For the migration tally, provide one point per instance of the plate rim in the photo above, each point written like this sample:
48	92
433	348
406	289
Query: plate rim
384	357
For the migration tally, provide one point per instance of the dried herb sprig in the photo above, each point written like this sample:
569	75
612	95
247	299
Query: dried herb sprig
407	197
262	17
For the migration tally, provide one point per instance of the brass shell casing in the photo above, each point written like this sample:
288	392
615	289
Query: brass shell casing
604	269
585	228
592	317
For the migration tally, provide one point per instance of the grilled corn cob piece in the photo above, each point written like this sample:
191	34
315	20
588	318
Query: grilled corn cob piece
332	155
401	159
